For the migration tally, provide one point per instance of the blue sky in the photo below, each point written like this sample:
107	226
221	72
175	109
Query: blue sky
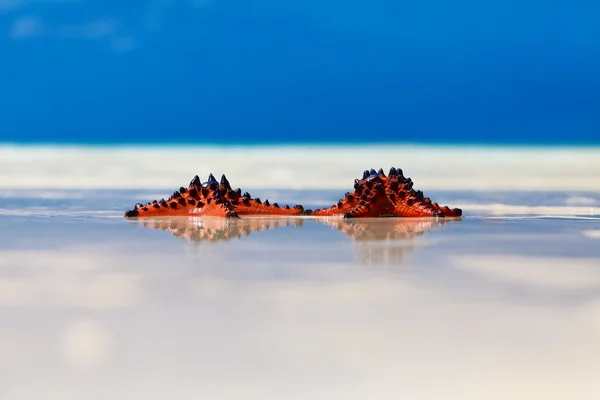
198	71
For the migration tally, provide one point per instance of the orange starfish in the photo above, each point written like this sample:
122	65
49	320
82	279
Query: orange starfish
375	195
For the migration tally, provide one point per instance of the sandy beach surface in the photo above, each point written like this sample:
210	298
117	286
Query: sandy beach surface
502	304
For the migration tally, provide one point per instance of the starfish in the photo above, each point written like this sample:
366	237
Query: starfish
374	195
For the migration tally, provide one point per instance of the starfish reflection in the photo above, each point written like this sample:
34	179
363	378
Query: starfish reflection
377	241
381	242
217	229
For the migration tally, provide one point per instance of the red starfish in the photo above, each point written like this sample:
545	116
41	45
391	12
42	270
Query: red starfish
375	195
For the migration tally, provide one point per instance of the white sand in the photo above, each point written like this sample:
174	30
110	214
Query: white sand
475	168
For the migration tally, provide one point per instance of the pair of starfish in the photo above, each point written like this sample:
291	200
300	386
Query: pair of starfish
375	195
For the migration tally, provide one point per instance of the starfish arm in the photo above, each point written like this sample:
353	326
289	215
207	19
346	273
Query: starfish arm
250	206
412	203
195	200
347	204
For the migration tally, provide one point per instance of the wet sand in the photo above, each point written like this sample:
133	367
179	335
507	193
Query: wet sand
503	304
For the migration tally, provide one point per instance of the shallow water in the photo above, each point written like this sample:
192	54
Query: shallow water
504	303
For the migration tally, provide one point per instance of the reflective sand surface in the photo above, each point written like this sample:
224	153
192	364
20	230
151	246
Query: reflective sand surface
503	304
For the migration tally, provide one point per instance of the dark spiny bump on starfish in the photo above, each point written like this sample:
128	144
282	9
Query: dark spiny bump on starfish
457	211
145	208
209	200
182	190
275	205
401	194
357	187
349	215
393	172
369	184
155	205
364	196
349	197
380	172
238	191
200	204
308	211
193	193
154	201
362	202
195	181
399	172
258	200
220	200
267	202
212	186
412	192
225	182
394	185
211	179
246	195
339	204
138	205
245	201
176	195
286	207
299	207
436	206
181	201
233	195
191	202
232	214
439	213
408	185
163	202
131	213
419	195
173	204
392	197
204	192
234	201
410	202
366	174
372	172
372	199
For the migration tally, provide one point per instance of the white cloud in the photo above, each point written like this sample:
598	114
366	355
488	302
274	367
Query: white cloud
96	29
100	29
27	27
10	5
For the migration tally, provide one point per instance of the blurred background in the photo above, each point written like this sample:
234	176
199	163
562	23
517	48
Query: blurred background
300	71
